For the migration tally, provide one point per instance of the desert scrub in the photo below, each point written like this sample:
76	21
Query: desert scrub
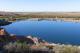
66	49
22	47
71	49
16	47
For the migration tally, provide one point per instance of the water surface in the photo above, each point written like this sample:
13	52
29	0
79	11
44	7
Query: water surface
52	31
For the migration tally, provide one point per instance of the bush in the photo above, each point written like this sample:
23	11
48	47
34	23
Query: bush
16	47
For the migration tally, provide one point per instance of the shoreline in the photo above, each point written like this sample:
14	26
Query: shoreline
48	19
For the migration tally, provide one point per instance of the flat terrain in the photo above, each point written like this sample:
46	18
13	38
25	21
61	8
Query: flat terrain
41	14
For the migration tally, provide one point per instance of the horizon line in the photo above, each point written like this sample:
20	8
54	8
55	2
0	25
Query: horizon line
41	11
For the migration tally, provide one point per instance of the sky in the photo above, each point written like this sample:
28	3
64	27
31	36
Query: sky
40	5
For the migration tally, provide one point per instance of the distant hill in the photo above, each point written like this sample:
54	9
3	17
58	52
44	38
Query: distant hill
8	13
64	14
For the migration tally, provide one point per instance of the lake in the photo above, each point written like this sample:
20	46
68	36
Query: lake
51	31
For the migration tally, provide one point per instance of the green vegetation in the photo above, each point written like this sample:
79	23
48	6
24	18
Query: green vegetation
23	47
17	47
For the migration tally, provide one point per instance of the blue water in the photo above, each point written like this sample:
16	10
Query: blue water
52	31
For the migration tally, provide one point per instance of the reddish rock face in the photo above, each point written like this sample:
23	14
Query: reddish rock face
2	31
